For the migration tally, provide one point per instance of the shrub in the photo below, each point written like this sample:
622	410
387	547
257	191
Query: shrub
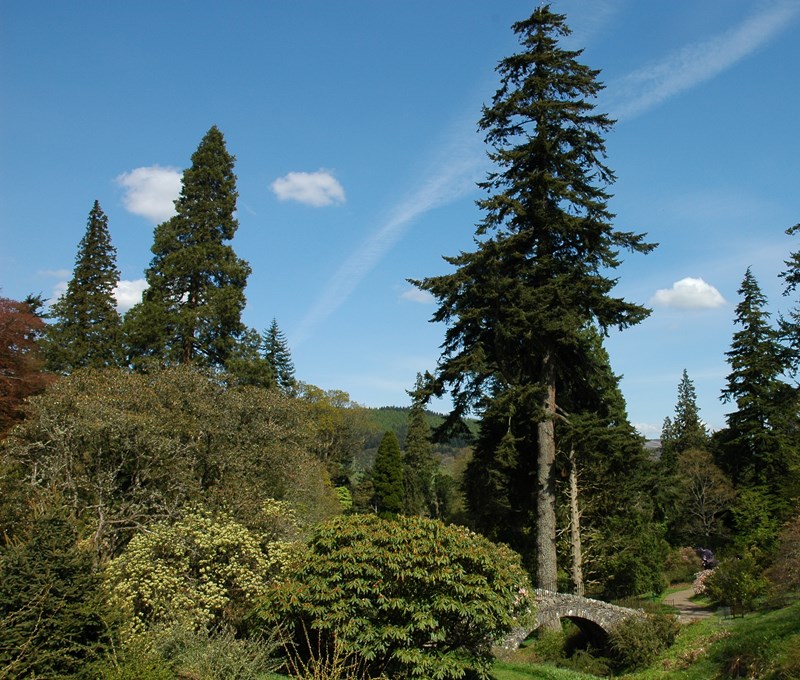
637	642
736	582
409	597
204	570
682	565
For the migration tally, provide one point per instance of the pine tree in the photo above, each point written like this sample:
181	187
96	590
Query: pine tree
517	306
757	447
87	326
191	310
387	476
418	464
276	352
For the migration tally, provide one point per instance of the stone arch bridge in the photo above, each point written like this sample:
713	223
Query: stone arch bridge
593	617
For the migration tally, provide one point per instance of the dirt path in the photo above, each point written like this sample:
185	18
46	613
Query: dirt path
688	611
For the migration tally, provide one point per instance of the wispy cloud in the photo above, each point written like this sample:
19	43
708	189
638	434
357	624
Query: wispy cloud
453	177
317	189
693	64
151	191
689	293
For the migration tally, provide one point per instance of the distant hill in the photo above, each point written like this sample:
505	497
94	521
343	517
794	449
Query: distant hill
395	418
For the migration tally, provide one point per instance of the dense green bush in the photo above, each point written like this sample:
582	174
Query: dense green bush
51	607
409	597
637	642
736	582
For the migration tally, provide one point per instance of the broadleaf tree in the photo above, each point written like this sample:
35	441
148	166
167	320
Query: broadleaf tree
87	328
517	307
191	310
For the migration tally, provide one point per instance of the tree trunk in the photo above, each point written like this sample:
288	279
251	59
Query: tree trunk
575	526
546	565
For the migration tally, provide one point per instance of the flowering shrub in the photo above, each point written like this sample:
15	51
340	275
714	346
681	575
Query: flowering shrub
202	570
699	585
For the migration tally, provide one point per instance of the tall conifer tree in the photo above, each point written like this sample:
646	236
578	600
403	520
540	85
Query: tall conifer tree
418	464
87	326
191	310
387	476
518	305
276	352
758	449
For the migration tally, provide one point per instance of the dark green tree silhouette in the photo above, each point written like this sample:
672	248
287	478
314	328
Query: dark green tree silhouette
51	607
517	306
758	449
276	352
689	430
790	326
418	464
191	310
87	327
387	476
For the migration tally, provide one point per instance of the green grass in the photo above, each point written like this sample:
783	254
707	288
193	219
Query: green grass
513	671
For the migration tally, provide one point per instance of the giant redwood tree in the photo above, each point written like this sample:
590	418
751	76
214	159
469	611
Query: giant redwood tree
86	330
517	307
191	310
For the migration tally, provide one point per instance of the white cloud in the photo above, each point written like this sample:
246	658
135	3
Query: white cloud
423	297
129	293
151	191
693	64
689	293
318	189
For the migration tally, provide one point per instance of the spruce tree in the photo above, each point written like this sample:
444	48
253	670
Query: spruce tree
686	430
517	306
418	464
758	449
387	476
191	310
276	352
87	326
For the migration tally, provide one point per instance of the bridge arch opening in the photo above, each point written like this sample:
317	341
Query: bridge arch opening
583	635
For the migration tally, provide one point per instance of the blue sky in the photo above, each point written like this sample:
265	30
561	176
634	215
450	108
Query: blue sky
354	127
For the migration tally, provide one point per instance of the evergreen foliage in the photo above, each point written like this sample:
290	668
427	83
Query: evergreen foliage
519	304
686	430
51	605
191	310
276	352
387	476
87	327
791	325
760	447
419	467
408	598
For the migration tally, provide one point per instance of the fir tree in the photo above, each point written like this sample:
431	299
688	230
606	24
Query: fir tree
191	310
418	464
387	476
686	430
518	305
790	327
276	352
758	449
87	326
